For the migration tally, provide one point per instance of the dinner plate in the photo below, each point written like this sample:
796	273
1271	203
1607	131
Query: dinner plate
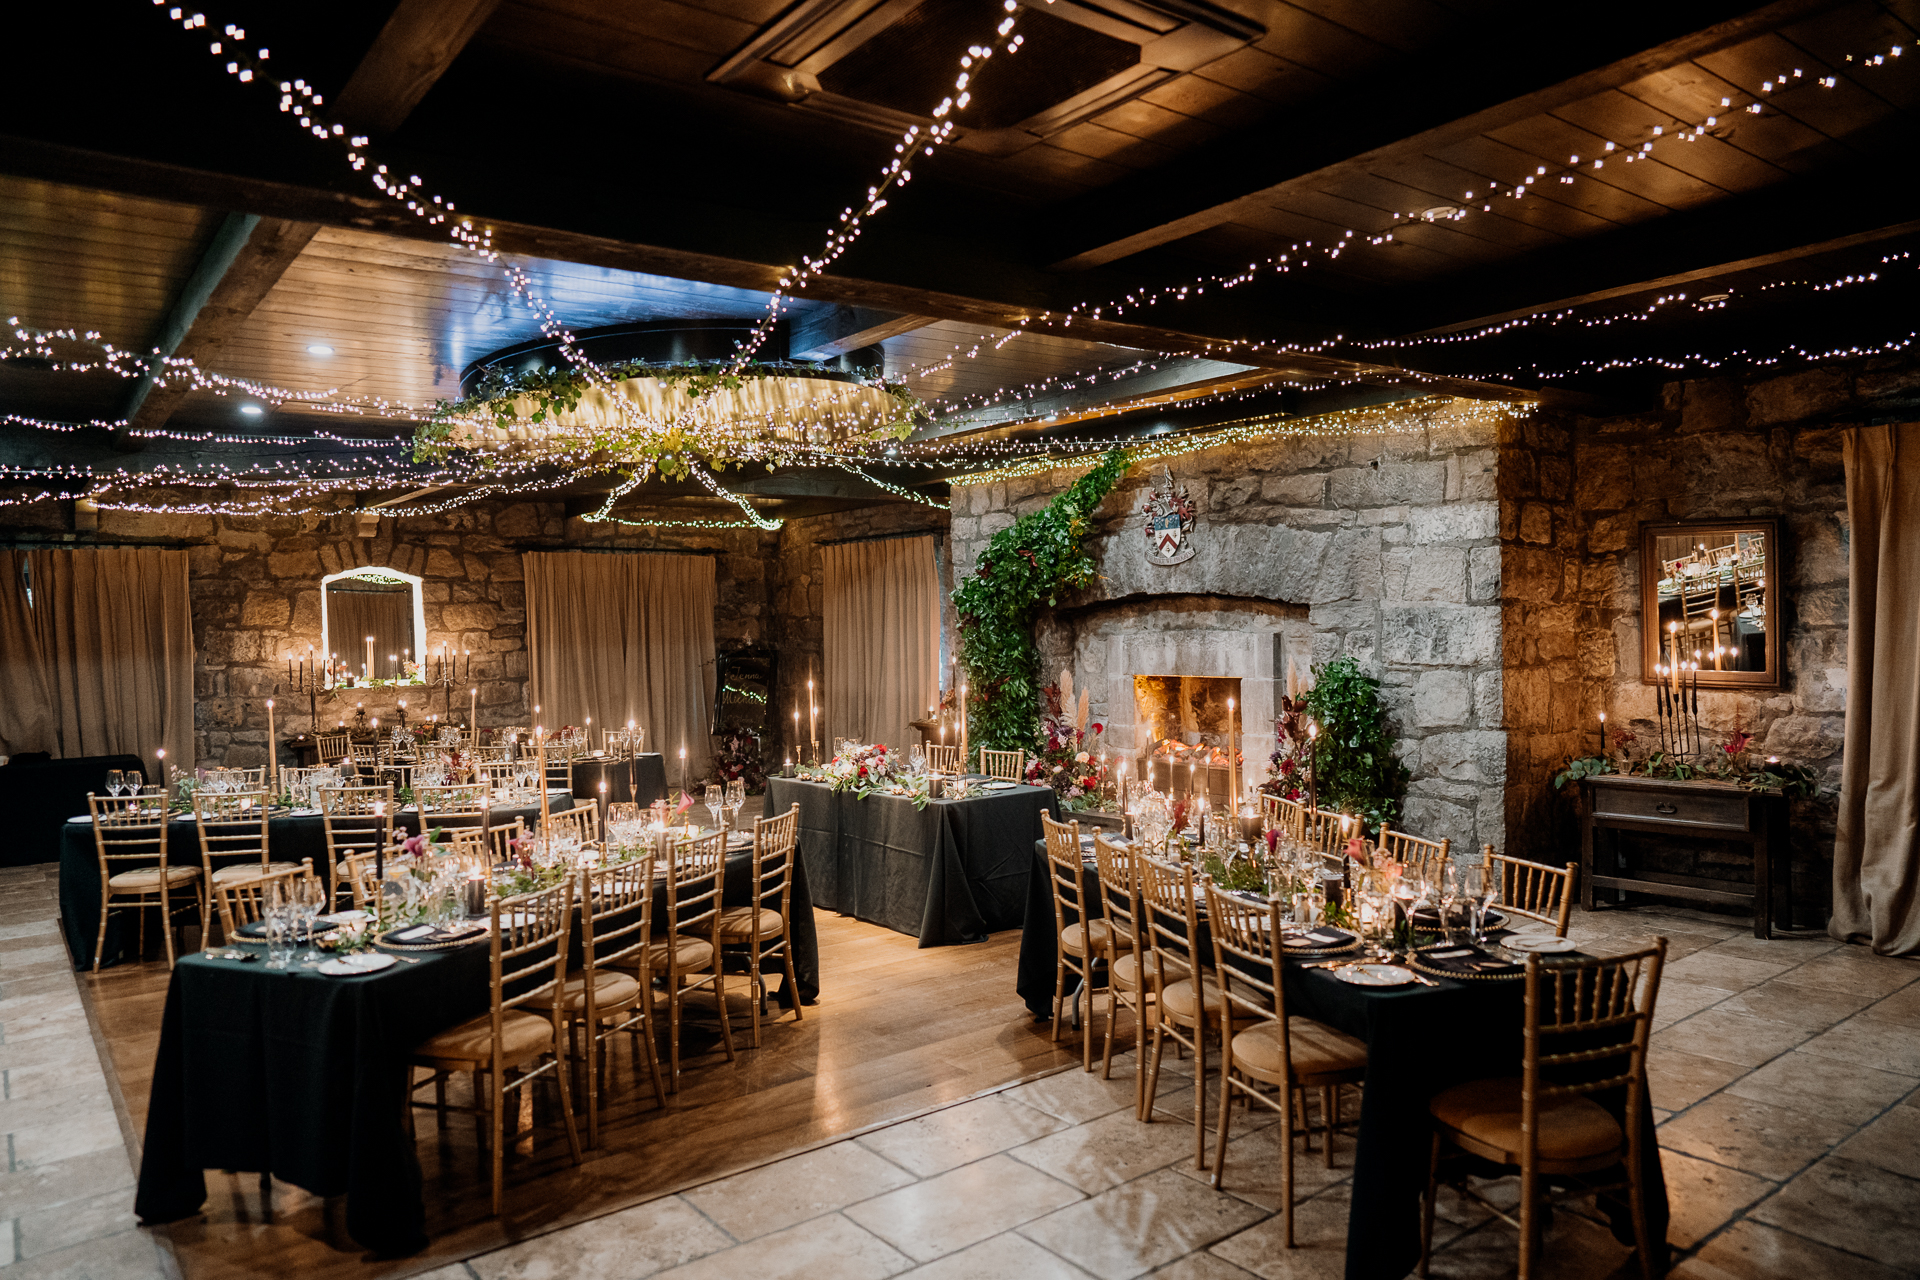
257	929
1000	786
1374	975
348	917
355	965
1543	943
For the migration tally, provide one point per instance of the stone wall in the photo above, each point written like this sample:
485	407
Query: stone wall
1389	542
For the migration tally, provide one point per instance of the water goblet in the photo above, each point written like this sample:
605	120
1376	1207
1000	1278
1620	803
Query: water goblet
716	801
736	798
115	781
309	896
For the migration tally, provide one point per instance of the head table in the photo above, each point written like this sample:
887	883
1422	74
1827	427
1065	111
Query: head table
291	836
1420	1040
304	1076
954	871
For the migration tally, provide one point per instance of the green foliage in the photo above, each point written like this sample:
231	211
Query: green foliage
1794	780
1584	767
552	392
1355	769
1024	567
1243	875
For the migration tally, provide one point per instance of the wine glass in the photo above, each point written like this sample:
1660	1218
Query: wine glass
277	911
1479	887
917	761
115	781
1376	923
1450	892
134	781
736	798
308	897
716	801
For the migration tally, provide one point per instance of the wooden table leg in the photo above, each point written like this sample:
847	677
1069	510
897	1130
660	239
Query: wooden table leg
1762	872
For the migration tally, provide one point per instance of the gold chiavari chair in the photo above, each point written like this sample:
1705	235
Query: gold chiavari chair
130	834
500	840
1005	765
450	807
616	928
581	821
356	820
1283	1053
1417	853
1587	1026
529	959
1288	816
1703	618
764	931
366	759
296	782
232	826
559	767
1327	831
332	748
1534	889
1077	946
943	759
488	754
688	955
244	900
1126	966
359	873
1189	1003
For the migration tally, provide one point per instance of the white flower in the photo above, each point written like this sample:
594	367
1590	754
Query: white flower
1082	758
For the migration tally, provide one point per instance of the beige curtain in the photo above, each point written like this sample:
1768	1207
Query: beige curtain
1876	854
353	615
882	606
624	637
101	661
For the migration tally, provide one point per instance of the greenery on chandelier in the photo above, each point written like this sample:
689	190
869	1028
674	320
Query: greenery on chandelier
1025	566
555	391
1355	769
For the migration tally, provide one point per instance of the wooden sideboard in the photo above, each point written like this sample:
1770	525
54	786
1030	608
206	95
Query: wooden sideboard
1612	808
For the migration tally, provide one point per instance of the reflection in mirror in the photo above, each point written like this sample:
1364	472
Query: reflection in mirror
369	622
1711	595
745	686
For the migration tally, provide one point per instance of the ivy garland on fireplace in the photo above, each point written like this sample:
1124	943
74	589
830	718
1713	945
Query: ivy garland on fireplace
1024	566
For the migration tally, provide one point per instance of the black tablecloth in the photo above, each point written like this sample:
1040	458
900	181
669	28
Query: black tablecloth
642	779
1420	1040
290	837
303	1076
38	796
952	872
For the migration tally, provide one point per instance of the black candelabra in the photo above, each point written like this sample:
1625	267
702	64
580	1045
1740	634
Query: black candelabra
1677	708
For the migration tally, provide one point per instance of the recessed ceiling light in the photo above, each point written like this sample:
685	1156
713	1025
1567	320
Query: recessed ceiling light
319	349
1440	213
1715	297
252	410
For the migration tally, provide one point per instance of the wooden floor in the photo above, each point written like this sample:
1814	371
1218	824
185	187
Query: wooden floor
898	1030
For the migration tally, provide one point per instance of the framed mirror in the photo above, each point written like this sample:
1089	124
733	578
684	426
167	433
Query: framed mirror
1707	595
371	619
744	688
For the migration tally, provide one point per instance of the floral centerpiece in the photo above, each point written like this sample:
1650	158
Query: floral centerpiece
1287	766
861	769
738	759
1065	757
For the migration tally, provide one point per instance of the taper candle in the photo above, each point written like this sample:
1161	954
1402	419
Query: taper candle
1233	762
369	667
540	752
273	755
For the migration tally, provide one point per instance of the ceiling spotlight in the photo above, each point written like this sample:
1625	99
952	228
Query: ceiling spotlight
1440	212
252	410
1715	297
319	349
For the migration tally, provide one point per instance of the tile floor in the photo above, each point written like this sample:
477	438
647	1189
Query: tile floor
1786	1078
66	1173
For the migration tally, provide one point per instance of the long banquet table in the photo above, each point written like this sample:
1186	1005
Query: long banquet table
304	1076
291	836
952	872
641	779
1420	1040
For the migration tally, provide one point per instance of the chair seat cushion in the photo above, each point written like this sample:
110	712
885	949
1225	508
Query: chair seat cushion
737	923
1180	1000
248	870
1488	1111
1317	1049
612	991
523	1037
689	954
1089	937
148	878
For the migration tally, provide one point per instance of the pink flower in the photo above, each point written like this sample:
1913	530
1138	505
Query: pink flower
1082	758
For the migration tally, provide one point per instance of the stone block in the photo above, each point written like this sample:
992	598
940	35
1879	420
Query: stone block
1442	699
1710	404
1528	698
1530	575
1426	573
265	609
1389	483
1797	396
1457	522
1295	490
443	562
1470	756
1556	478
1483	573
1536	523
1439	635
1820	551
1605	482
290	566
1479	476
1437	819
469	617
243	540
1488	699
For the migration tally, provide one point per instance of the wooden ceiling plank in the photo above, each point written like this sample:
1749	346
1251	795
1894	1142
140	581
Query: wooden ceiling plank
413	50
1205	193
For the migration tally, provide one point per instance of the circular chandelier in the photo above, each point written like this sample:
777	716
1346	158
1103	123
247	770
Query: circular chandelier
662	393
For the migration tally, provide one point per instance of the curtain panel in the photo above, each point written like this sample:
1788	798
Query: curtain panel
624	637
96	653
882	605
1876	854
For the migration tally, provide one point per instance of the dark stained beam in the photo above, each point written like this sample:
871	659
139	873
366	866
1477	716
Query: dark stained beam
246	259
415	48
1526	65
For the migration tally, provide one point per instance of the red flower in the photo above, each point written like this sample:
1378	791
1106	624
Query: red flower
1286	768
863	771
